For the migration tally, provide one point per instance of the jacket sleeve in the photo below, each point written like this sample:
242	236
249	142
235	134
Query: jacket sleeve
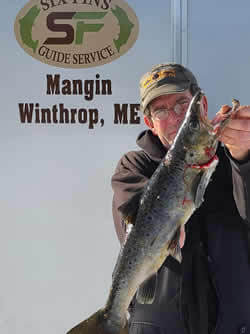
241	186
129	178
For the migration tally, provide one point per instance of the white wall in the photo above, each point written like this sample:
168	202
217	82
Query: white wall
57	243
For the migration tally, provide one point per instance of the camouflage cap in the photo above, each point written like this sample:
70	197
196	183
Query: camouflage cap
165	79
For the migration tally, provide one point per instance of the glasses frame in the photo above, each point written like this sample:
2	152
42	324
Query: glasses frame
178	109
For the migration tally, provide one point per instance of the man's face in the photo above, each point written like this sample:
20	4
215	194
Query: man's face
167	113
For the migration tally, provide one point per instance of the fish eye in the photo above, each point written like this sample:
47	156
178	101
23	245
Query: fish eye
194	125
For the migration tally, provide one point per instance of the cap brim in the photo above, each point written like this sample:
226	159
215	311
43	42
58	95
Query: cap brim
163	90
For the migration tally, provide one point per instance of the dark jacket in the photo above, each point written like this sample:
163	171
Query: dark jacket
225	218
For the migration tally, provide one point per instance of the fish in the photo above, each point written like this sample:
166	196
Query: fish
173	193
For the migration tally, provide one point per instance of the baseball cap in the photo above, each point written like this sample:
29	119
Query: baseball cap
168	78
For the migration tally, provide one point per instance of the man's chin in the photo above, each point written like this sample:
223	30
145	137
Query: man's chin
167	141
171	138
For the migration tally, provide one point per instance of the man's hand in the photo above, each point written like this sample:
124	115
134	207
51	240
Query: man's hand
236	135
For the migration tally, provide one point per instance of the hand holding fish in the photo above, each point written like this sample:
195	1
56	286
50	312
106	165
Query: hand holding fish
236	135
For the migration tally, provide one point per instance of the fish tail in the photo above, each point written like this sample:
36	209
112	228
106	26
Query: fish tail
97	323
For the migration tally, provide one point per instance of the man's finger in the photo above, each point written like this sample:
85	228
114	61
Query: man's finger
235	134
239	142
243	112
239	124
224	109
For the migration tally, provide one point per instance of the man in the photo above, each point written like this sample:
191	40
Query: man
210	291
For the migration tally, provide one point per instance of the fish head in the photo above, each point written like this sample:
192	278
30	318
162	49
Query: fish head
196	137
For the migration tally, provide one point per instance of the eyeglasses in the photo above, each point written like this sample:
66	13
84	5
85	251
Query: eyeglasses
163	114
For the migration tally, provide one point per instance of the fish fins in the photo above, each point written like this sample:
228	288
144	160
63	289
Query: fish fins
223	117
174	247
146	292
97	324
129	209
204	180
176	252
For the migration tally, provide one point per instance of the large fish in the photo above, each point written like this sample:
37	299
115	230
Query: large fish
170	197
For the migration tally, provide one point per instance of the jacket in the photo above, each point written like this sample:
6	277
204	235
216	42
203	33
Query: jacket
225	220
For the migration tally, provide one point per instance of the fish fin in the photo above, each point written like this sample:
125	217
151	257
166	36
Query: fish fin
130	208
223	117
129	220
174	248
176	252
204	180
146	292
97	324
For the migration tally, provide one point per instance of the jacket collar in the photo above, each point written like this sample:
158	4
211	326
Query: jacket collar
151	145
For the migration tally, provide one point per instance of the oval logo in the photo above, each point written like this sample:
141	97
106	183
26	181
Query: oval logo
76	33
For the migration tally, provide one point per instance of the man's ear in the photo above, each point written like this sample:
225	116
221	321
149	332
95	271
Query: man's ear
148	122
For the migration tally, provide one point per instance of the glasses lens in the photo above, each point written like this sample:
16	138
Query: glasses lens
178	109
160	114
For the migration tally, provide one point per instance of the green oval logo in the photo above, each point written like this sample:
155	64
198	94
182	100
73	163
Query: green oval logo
76	33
